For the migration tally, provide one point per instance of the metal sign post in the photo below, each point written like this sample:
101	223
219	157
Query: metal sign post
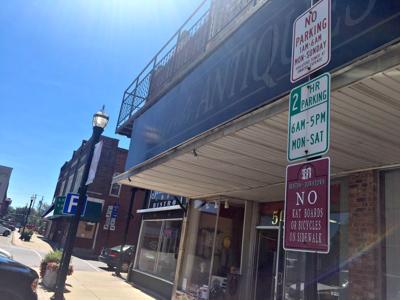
307	203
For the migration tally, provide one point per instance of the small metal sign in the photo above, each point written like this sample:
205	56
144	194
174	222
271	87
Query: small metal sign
307	206
311	45
309	119
71	204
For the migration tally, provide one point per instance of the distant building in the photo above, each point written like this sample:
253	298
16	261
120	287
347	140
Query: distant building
5	174
4	206
107	210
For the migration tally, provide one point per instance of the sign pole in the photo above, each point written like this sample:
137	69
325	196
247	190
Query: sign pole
311	282
311	264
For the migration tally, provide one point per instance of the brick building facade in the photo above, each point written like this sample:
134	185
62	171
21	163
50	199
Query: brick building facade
93	236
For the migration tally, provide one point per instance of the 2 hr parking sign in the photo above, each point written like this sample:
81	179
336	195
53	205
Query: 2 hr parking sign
309	117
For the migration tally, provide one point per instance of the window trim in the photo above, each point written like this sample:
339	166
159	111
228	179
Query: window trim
112	184
135	264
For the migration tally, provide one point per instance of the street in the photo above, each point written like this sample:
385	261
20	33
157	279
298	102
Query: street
90	280
33	257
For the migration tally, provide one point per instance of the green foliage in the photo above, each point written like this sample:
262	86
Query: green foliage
18	214
53	256
26	235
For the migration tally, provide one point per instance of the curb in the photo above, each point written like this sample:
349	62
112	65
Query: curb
13	239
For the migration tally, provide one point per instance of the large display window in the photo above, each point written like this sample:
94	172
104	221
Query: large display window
391	236
213	251
158	248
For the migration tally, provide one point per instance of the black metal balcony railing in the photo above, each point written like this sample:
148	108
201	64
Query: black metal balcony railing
187	44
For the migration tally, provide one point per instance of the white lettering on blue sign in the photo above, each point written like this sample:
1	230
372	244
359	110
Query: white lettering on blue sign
71	204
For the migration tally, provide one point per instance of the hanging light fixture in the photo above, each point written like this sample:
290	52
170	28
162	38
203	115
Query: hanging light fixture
226	205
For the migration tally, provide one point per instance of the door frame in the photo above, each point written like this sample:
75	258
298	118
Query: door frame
278	256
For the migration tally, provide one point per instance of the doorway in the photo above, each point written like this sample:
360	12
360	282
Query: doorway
269	262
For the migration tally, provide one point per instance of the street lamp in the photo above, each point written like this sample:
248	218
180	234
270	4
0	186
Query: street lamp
33	198
100	120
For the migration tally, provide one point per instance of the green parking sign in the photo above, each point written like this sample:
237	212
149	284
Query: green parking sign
309	119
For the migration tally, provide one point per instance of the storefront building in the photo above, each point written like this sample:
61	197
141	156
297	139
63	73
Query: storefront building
229	76
107	209
158	245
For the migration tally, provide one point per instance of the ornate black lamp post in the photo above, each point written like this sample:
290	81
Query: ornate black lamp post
100	120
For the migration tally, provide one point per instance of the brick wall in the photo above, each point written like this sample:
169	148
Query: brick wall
113	238
364	269
112	160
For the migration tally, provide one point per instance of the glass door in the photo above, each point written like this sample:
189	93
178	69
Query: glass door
268	275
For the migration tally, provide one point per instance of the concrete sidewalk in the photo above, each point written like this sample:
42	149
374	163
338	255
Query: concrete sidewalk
36	243
84	285
94	286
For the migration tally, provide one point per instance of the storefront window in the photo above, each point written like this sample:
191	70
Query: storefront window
331	270
86	230
392	225
158	248
212	261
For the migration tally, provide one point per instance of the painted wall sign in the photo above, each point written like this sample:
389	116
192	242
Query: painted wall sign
307	206
111	217
311	45
252	68
309	118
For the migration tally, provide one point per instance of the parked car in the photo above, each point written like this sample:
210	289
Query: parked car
5	254
18	282
4	230
111	256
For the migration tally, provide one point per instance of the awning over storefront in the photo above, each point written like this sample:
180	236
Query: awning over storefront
246	158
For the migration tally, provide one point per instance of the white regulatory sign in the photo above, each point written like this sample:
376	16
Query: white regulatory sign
311	45
309	117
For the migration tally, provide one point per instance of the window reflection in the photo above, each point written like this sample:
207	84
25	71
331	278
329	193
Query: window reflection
158	248
212	261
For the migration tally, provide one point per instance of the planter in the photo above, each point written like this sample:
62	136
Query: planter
49	267
50	278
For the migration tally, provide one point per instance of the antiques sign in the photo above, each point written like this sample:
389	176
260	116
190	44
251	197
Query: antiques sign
307	206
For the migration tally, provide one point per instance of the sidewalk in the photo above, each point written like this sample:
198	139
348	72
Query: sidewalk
96	285
84	285
36	243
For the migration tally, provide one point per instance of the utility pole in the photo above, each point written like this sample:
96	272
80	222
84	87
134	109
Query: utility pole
40	204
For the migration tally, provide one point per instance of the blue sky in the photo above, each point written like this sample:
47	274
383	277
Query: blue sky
60	61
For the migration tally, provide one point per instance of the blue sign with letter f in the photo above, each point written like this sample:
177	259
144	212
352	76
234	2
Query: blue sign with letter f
71	204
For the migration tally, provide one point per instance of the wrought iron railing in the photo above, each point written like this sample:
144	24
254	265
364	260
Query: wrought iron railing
187	44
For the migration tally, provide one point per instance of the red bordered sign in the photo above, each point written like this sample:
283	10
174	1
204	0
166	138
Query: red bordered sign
307	206
311	45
